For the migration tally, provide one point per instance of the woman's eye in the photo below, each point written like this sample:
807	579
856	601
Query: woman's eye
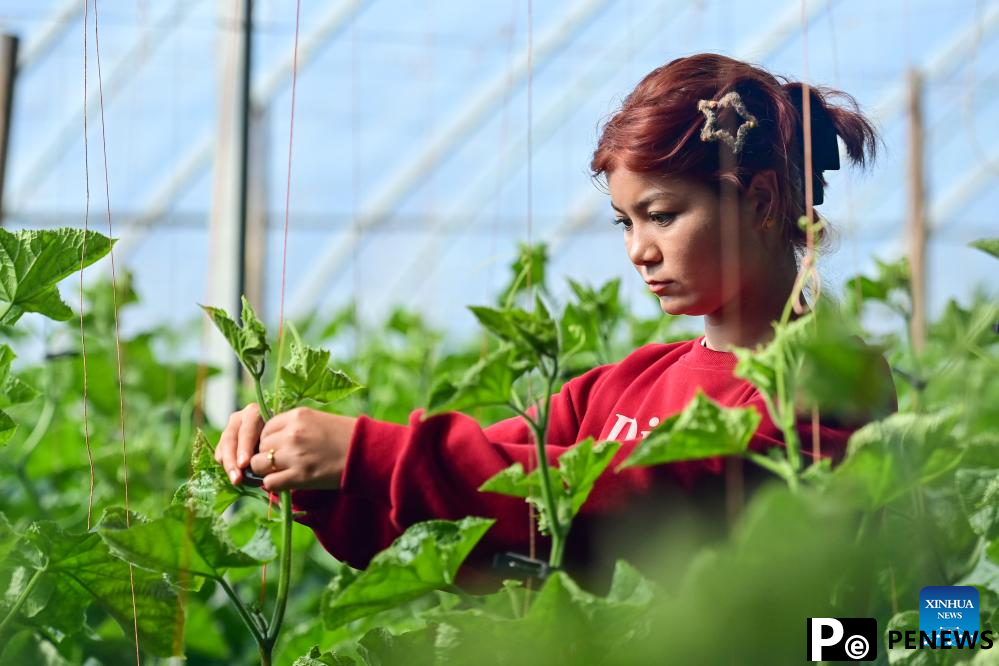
662	219
622	221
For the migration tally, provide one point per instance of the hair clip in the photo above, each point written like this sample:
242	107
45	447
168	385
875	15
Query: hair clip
711	131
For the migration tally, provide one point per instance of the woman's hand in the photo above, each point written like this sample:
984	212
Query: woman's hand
300	448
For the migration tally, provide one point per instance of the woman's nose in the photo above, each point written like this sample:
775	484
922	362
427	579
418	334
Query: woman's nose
642	247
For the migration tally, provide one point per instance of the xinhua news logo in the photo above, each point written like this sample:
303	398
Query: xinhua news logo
842	639
949	610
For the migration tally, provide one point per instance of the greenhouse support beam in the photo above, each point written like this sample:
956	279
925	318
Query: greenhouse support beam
227	223
67	133
917	214
981	174
55	25
198	157
8	76
255	252
480	106
483	184
951	55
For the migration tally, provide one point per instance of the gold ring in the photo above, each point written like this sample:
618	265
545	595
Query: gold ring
270	459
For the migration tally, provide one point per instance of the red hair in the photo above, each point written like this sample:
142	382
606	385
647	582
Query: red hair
658	130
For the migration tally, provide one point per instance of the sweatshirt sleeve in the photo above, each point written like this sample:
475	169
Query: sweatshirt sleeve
397	475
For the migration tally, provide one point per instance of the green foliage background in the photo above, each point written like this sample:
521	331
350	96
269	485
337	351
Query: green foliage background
914	504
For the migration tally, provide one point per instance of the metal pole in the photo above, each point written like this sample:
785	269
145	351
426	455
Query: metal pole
244	148
917	213
8	72
227	224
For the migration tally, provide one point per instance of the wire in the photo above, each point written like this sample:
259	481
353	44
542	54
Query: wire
117	333
86	224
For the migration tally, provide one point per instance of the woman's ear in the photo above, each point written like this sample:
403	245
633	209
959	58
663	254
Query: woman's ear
762	198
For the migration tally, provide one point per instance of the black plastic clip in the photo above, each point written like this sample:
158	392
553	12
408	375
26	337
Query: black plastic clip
526	567
251	479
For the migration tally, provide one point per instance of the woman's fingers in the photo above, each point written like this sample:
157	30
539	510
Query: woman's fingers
225	452
286	479
278	422
267	462
249	434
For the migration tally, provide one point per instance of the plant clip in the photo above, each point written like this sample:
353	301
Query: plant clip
527	567
251	479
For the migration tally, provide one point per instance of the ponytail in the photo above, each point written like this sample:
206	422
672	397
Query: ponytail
827	122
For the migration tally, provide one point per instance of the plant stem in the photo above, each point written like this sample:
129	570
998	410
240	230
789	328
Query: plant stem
555	557
285	573
41	427
273	629
243	613
768	464
547	495
540	430
21	599
786	415
265	411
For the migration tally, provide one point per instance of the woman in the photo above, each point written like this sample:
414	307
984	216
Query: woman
704	164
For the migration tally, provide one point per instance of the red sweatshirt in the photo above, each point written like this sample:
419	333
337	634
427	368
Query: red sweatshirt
397	475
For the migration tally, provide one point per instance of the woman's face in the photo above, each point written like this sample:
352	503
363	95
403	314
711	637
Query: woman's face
675	234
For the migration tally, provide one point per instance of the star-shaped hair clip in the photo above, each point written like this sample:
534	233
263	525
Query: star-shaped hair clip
711	131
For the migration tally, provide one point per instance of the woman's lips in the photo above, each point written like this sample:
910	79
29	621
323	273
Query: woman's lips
659	288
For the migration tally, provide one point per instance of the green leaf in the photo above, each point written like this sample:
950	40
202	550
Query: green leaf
760	367
7	427
534	331
578	470
581	466
25	647
181	541
527	271
209	491
424	558
8	537
704	429
979	493
80	566
413	648
307	376
600	622
844	376
887	458
496	322
13	391
990	245
588	325
317	657
513	482
32	263
488	382
248	340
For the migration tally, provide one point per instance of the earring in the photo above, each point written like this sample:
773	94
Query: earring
769	223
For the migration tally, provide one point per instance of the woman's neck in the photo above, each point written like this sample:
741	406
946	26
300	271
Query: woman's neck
747	320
